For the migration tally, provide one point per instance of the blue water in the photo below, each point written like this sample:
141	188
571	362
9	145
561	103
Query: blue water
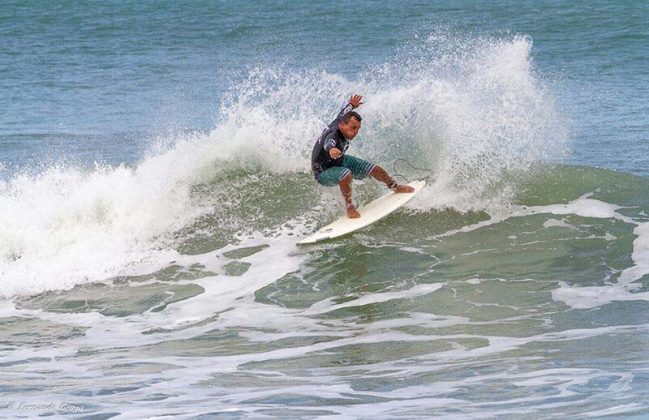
154	180
104	69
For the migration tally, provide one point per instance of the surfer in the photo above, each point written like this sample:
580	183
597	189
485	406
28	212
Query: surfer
332	166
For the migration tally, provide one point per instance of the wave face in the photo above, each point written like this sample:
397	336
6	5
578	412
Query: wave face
470	111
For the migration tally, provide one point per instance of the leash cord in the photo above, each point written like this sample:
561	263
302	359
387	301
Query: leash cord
396	174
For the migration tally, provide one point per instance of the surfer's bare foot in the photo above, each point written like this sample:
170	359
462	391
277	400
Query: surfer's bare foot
403	189
352	213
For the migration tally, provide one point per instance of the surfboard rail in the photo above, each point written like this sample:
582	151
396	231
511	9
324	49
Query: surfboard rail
370	213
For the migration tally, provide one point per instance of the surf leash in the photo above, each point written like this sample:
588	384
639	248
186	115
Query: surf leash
396	174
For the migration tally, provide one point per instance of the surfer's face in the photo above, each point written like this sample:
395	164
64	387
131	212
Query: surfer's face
350	128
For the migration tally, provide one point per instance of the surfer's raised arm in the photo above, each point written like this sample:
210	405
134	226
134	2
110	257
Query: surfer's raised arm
330	145
331	166
354	102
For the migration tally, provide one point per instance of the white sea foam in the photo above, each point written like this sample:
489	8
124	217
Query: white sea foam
586	297
64	226
640	255
419	290
584	207
557	223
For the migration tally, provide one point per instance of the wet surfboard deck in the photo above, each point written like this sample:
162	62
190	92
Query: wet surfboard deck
370	213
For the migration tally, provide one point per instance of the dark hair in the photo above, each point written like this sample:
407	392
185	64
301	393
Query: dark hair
348	116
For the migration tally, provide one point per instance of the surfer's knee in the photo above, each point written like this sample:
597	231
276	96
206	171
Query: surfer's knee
346	178
378	172
380	175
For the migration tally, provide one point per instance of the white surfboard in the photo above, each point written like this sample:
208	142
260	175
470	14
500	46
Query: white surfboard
370	213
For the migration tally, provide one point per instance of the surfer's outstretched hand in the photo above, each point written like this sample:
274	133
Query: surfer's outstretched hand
403	189
356	100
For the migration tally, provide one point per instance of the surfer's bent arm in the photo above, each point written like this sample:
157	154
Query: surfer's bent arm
329	143
331	147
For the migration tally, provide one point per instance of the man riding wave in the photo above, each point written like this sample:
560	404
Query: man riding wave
332	166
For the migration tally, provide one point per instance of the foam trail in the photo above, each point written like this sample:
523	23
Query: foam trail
419	290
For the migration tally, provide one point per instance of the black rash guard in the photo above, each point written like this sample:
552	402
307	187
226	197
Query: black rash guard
331	137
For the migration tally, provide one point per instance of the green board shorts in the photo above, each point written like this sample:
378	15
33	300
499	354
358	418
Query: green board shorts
359	169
